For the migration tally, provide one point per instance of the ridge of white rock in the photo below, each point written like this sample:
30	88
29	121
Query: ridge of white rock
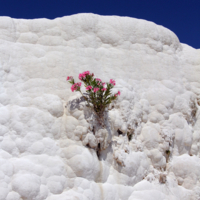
47	144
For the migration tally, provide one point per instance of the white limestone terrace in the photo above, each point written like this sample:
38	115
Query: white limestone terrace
46	139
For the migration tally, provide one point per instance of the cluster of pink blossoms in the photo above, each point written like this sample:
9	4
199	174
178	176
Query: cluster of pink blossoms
75	86
98	79
84	74
112	82
98	93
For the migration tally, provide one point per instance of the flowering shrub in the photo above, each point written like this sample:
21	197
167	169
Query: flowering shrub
97	93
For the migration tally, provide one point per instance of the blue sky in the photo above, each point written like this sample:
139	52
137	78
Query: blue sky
180	16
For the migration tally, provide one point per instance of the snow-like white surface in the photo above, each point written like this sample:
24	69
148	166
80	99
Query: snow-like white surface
45	129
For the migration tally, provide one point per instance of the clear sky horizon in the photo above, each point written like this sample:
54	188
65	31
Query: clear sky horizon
180	16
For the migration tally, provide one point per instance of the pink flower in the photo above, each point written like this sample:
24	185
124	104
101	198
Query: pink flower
75	86
83	75
112	82
104	89
88	87
103	84
98	79
118	93
96	89
69	78
86	73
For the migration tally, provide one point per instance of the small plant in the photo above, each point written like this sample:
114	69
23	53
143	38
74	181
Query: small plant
98	93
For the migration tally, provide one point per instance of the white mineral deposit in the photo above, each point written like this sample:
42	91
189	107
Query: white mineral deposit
150	145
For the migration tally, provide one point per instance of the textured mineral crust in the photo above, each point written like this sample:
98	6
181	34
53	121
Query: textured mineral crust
51	146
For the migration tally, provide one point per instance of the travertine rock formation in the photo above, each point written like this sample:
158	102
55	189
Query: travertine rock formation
48	137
